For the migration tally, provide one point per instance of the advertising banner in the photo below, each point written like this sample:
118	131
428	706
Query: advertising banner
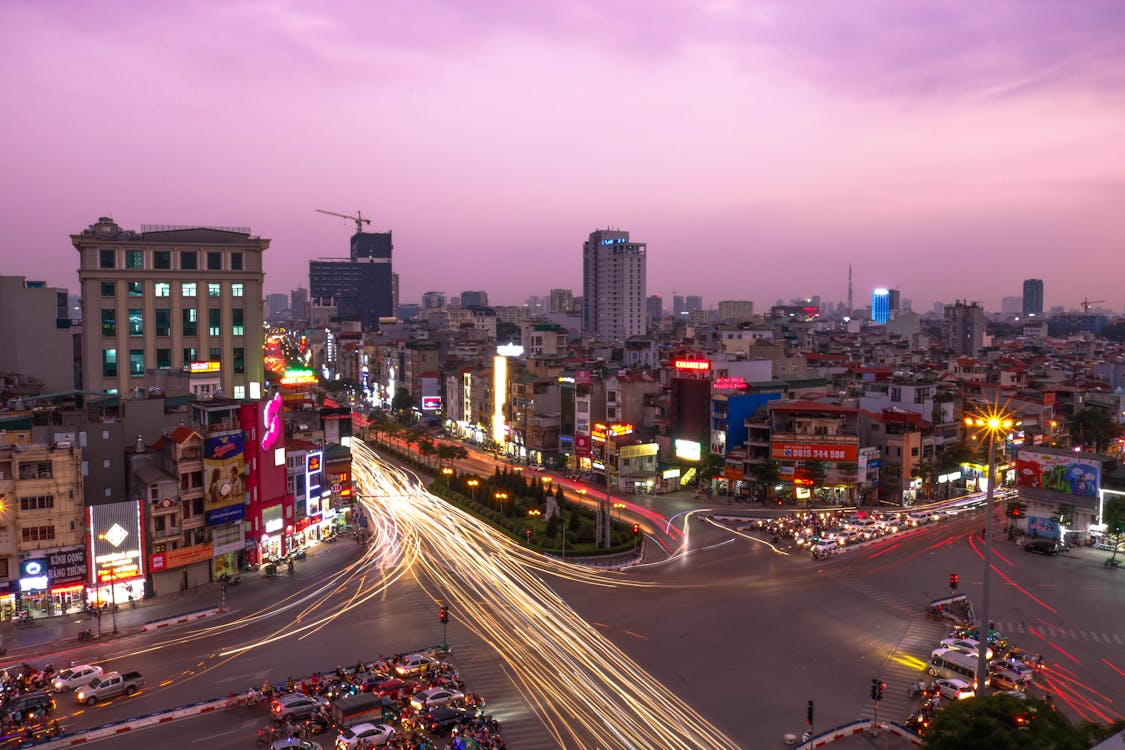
636	451
115	542
223	469
67	565
1043	527
228	514
582	445
178	558
1066	474
814	452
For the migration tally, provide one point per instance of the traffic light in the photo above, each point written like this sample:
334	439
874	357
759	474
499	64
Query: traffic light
636	529
443	615
882	687
808	715
527	533
874	689
1016	511
953	581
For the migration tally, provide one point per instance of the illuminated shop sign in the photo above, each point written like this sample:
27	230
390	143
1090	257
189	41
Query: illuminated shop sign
314	475
729	384
198	367
614	431
431	403
692	364
271	421
618	241
688	450
114	532
298	377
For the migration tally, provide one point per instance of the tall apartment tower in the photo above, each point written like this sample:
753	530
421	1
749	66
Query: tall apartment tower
965	327
613	285
881	306
185	298
35	337
1033	297
363	285
561	300
474	298
433	300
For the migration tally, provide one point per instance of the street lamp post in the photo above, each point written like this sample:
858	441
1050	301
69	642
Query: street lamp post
992	423
534	513
112	595
500	498
473	486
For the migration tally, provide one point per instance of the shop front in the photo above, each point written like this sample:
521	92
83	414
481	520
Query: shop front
115	543
226	561
177	570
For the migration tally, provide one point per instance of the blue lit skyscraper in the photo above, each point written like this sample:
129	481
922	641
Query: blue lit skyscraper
881	306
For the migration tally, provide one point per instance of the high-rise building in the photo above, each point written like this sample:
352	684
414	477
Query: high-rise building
1033	297
881	306
1011	305
170	297
562	300
276	304
736	311
36	341
433	300
474	299
894	299
679	306
613	285
692	303
299	304
965	327
363	285
654	309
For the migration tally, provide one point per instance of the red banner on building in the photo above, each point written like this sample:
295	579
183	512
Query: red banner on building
582	446
814	452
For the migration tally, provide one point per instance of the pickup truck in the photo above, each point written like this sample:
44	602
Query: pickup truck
109	685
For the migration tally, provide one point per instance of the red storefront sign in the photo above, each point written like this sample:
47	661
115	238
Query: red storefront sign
814	452
582	445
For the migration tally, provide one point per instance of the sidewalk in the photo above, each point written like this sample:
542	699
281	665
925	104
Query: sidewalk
46	633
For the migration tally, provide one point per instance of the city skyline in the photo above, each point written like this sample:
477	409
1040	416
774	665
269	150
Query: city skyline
949	153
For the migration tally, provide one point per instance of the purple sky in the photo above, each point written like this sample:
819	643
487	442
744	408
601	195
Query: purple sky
948	149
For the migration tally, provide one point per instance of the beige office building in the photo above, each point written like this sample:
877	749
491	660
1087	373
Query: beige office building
179	304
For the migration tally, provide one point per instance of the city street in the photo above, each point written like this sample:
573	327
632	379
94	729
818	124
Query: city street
720	646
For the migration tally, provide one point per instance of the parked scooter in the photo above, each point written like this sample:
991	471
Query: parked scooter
230	580
85	635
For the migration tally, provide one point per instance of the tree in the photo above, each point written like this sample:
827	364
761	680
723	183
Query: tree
766	475
447	452
426	449
1094	428
1113	516
402	402
818	472
1001	722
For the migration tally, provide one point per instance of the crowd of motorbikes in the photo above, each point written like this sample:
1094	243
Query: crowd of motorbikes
16	728
344	681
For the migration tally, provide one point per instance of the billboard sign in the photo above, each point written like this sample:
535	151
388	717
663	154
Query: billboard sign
582	446
1045	527
226	514
692	364
271	421
638	451
1067	474
431	403
314	473
178	558
815	452
688	450
223	469
115	542
67	565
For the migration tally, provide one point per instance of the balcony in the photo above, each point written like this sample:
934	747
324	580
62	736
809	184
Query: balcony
166	532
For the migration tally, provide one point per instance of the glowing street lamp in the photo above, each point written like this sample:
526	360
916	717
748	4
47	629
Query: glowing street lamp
473	483
534	513
500	498
990	424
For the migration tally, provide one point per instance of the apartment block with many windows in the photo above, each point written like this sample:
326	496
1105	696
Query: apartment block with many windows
165	300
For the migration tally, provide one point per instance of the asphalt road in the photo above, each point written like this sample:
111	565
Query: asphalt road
739	632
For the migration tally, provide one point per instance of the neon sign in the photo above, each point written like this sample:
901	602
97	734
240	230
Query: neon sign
618	241
212	366
298	377
271	421
729	384
692	364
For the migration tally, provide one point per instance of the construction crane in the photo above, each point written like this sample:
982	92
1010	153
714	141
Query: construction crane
358	218
1086	305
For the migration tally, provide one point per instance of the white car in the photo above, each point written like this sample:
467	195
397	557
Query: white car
364	735
437	696
966	646
75	677
413	664
955	689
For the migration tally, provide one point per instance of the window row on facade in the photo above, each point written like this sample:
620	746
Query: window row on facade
164	288
162	322
164	360
167	260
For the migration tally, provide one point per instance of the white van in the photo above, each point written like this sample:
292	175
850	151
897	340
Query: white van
951	663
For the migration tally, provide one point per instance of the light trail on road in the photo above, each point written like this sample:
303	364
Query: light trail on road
585	690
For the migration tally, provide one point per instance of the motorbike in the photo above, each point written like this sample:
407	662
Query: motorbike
85	635
300	554
267	736
230	580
